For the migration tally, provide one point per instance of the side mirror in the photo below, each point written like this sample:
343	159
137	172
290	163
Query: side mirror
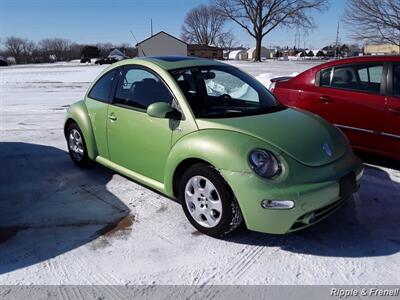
160	110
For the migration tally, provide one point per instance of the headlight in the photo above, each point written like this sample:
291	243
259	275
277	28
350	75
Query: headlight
264	163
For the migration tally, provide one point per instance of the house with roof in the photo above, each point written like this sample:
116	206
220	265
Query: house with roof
162	43
205	51
117	54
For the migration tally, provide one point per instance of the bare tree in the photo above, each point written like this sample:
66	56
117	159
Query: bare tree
260	17
104	48
374	20
14	47
22	50
57	47
28	51
227	41
203	25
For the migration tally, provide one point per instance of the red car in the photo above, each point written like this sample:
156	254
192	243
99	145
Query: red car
359	95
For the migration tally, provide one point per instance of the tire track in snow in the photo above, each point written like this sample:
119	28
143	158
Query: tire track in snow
56	269
103	283
241	263
248	261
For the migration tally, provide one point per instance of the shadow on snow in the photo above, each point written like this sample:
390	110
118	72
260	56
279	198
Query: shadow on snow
49	206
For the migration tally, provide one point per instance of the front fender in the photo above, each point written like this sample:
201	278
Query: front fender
223	149
78	113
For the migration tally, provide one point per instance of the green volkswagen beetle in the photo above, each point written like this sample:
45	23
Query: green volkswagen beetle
216	139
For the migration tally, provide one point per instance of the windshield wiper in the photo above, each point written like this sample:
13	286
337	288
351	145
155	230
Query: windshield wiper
224	113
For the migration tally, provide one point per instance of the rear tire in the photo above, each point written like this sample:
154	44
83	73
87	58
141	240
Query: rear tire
77	147
208	202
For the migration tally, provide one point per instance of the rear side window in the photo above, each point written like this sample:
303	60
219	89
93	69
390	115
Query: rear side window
371	74
396	80
102	88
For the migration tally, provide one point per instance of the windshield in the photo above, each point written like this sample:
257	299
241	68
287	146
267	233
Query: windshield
224	91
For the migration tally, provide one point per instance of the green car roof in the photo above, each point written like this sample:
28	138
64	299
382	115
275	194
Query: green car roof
174	62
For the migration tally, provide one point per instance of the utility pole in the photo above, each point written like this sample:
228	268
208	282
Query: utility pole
297	44
337	40
305	35
151	26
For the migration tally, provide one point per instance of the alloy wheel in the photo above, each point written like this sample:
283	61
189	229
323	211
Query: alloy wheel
75	144
203	201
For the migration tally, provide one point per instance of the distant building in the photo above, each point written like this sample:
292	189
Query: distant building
265	53
11	60
381	49
205	51
117	54
162	43
238	55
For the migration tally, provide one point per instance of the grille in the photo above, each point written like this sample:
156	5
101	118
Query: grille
319	214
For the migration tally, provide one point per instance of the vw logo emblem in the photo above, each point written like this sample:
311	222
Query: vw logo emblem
327	149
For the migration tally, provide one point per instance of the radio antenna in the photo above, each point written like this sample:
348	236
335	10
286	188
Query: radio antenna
137	43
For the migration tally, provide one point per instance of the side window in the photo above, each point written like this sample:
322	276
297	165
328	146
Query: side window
102	88
344	77
325	77
360	77
139	88
396	79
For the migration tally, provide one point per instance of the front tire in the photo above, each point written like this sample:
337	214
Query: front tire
208	202
77	146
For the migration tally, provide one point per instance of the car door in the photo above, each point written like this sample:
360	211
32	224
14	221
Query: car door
137	141
350	96
97	101
392	120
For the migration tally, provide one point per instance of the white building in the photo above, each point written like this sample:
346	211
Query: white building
117	54
238	55
265	53
162	43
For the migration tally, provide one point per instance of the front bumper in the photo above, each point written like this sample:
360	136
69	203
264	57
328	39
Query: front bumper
313	201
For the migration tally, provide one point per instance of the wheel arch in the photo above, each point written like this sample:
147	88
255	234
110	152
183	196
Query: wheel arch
221	149
77	113
181	168
68	122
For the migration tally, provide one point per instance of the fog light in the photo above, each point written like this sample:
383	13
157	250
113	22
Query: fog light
277	204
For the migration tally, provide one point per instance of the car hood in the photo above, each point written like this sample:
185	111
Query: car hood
303	136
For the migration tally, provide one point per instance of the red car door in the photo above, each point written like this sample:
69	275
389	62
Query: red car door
349	96
391	132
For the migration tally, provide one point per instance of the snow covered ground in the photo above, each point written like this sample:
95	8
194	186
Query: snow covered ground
63	225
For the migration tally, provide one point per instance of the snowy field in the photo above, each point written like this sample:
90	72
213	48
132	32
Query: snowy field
63	225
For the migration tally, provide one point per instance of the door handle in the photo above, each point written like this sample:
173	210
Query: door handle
112	117
325	99
394	110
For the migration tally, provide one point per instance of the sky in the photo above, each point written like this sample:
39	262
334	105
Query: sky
90	21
